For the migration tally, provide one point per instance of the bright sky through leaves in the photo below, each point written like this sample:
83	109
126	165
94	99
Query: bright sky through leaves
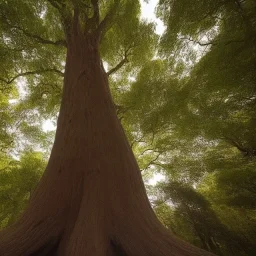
148	12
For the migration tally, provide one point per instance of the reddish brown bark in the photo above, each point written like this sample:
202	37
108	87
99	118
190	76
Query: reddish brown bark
91	199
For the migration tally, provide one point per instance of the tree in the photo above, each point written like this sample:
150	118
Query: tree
197	214
221	84
91	198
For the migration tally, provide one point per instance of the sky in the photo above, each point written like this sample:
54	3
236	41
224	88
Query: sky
147	12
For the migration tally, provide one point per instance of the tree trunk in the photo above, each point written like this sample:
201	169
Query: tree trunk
91	199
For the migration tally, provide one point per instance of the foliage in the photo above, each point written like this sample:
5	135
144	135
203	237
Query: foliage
17	181
186	102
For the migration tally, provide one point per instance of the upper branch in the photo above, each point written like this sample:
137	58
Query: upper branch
41	40
227	42
64	11
153	161
38	38
121	63
108	21
9	81
58	4
117	67
197	42
96	11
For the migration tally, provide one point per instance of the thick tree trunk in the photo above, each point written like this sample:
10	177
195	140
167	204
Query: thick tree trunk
91	199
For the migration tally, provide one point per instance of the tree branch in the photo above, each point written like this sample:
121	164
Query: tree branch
138	140
56	4
9	81
212	42
146	150
96	12
64	12
117	67
233	41
121	63
244	150
197	42
38	38
107	22
152	162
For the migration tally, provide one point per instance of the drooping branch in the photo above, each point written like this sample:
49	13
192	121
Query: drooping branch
41	40
9	81
38	38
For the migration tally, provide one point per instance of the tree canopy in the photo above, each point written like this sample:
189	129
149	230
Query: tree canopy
186	100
